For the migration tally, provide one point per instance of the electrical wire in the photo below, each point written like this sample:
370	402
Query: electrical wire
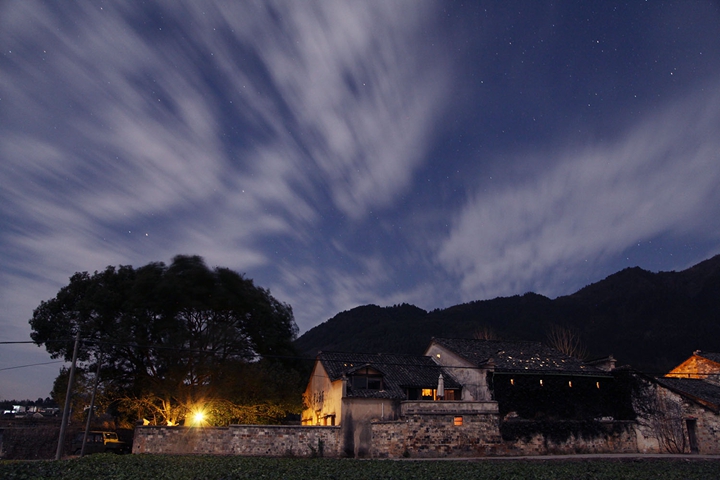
31	365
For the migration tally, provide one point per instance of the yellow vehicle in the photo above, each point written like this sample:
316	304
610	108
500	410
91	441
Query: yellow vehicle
99	442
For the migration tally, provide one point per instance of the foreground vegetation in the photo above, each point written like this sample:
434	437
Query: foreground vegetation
110	467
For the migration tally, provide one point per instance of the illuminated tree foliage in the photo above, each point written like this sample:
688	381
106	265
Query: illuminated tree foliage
173	336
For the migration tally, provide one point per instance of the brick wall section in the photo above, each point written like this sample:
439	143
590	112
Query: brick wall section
248	440
436	436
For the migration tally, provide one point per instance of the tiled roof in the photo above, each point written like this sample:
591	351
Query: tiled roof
530	357
715	357
705	392
399	372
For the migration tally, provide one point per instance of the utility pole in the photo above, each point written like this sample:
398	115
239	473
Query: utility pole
92	405
66	410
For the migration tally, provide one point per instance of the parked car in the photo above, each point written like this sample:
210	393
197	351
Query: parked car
99	442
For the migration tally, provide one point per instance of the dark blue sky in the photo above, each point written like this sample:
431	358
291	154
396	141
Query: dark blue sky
345	153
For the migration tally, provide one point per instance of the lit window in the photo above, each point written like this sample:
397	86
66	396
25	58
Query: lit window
457	421
427	393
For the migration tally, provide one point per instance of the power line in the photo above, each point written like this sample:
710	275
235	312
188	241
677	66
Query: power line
31	365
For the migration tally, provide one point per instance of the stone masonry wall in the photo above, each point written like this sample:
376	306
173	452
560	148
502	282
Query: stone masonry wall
248	440
707	431
539	438
436	436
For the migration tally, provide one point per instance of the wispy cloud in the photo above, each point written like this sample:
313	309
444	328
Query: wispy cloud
589	204
361	100
133	134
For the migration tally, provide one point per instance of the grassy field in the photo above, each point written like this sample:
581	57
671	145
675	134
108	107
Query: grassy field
110	467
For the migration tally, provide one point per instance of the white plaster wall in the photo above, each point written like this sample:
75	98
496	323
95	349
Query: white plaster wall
473	379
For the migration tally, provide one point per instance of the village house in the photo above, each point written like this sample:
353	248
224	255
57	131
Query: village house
354	390
465	390
528	379
680	412
352	387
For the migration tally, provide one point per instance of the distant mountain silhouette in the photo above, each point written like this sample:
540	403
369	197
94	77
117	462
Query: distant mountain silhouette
651	321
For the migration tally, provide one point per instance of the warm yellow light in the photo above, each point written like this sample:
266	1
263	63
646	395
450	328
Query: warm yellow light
197	417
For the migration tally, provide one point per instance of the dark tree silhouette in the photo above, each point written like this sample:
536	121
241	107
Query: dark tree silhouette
168	335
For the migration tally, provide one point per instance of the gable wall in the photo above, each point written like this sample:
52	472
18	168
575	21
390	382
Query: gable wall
323	398
473	379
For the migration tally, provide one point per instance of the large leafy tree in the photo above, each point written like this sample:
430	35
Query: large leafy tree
172	336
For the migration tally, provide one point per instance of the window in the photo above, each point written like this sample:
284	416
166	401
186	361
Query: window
374	383
366	379
457	421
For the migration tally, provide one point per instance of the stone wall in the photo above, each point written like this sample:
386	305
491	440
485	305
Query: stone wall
527	437
446	407
707	428
436	436
248	440
668	429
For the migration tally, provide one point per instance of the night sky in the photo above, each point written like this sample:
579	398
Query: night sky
346	153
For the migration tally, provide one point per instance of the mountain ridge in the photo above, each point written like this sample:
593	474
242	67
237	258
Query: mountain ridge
651	321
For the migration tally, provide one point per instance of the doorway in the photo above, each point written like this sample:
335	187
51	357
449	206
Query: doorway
692	435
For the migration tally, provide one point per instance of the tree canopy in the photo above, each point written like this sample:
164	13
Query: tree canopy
169	336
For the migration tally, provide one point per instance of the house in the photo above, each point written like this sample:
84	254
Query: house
353	390
680	411
462	397
528	379
354	386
